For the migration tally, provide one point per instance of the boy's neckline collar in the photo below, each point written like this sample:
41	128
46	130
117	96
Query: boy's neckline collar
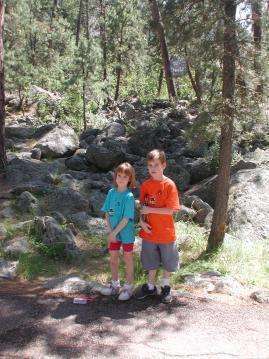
164	178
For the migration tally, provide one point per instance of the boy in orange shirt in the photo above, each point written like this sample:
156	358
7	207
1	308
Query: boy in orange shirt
159	200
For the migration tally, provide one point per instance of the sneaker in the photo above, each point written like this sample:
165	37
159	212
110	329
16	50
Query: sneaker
146	292
166	294
126	292
110	290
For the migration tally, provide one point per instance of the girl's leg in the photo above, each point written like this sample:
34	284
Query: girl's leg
114	265
129	267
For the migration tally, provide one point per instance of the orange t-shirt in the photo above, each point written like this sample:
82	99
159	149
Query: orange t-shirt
159	194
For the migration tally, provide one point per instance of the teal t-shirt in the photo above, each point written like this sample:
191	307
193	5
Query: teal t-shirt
121	205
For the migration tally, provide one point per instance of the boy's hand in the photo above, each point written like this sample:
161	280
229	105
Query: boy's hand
145	210
112	237
145	226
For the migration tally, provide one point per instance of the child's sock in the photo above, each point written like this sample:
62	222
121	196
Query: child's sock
150	286
165	281
115	283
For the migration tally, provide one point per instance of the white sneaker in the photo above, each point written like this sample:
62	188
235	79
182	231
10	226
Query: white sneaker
126	292
110	290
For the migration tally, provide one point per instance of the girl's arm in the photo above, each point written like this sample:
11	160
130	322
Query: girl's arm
113	233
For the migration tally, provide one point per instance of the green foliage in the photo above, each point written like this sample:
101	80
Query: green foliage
34	265
245	261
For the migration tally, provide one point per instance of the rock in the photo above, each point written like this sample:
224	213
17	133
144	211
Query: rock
206	190
43	130
64	200
96	199
201	208
249	204
77	162
68	285
20	132
17	246
59	217
261	296
114	129
8	269
51	233
185	214
27	203
178	174
161	104
7	212
242	165
92	225
199	170
36	153
22	172
103	157
230	286
59	142
3	231
90	132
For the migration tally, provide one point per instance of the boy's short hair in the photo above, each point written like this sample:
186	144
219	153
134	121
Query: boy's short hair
128	170
156	155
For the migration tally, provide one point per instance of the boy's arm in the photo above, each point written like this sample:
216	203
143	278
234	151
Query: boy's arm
163	210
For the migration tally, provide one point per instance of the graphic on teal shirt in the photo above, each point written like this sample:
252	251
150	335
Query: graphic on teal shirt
121	205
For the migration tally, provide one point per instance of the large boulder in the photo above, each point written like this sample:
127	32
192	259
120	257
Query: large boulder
19	132
78	161
59	142
114	129
17	246
27	203
96	199
86	223
65	201
249	204
105	156
8	269
50	233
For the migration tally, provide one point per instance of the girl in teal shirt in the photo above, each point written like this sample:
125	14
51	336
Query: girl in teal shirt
119	208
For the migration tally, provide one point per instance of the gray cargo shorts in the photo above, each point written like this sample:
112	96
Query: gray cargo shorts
155	255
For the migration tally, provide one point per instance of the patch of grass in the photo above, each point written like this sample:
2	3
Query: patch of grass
248	262
34	265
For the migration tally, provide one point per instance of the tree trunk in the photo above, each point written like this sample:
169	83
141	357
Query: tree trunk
218	227
257	38
160	83
196	88
118	75
159	28
79	21
3	157
103	37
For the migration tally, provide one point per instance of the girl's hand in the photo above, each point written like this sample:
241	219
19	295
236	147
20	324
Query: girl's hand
112	237
145	226
145	210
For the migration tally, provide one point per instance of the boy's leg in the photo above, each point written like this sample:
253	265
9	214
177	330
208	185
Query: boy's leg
150	258
170	262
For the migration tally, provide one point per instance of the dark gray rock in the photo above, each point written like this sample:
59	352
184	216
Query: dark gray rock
59	142
8	269
17	246
105	157
199	170
27	203
96	200
36	153
51	233
86	223
64	200
77	162
249	204
201	208
114	129
261	296
20	132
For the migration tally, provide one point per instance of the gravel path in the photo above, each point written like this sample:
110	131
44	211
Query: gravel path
35	325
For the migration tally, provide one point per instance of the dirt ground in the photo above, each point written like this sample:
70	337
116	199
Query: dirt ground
36	325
